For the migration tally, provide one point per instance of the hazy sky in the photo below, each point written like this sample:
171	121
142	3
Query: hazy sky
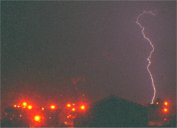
61	50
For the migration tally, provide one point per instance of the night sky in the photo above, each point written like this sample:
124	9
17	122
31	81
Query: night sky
69	50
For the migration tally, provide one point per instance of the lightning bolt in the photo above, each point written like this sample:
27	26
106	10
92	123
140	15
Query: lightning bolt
151	52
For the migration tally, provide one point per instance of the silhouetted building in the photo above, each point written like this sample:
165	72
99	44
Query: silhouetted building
114	112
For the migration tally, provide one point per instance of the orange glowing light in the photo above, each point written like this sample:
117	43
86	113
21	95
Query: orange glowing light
30	107
165	110
42	108
82	107
73	109
166	103
52	106
68	105
24	104
15	105
37	118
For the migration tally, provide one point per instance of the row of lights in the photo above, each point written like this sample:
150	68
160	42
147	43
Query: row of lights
37	117
23	105
82	107
28	106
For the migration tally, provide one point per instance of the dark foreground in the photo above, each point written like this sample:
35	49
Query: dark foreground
109	112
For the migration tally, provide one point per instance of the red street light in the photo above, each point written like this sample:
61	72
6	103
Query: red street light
165	110
165	103
68	105
30	107
37	118
82	107
52	107
73	109
24	104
